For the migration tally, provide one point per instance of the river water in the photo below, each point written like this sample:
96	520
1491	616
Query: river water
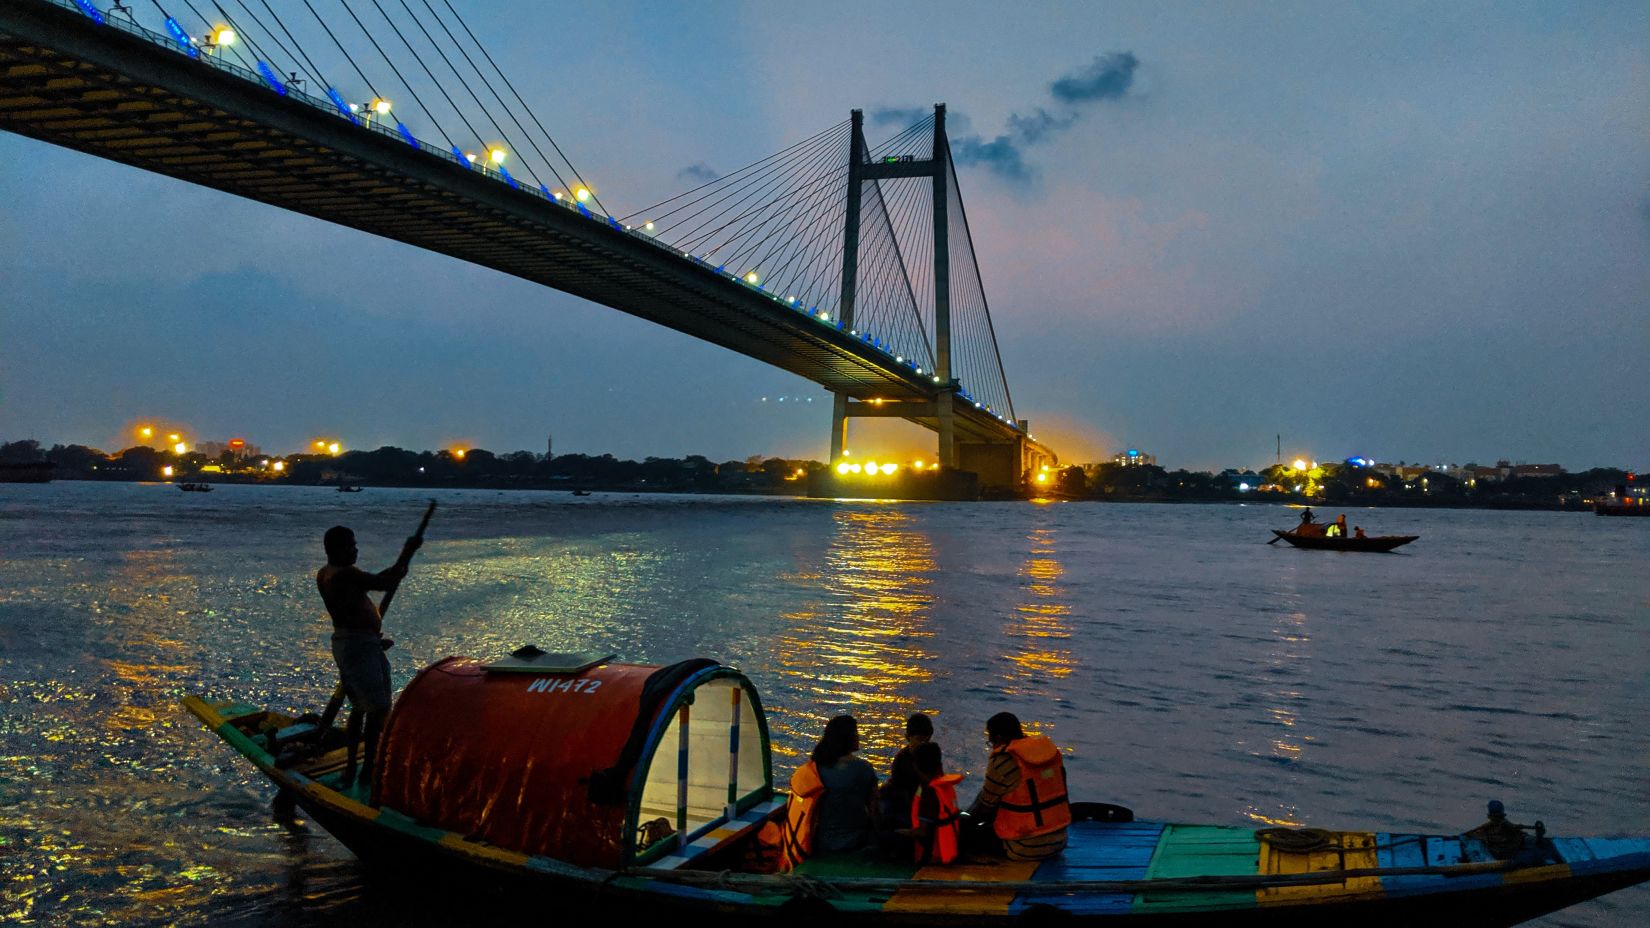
1193	672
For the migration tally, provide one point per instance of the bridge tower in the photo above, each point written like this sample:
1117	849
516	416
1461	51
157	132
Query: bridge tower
933	168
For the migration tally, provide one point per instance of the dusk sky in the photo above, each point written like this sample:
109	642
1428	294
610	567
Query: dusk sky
1414	231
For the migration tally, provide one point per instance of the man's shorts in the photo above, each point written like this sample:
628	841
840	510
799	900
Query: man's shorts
364	669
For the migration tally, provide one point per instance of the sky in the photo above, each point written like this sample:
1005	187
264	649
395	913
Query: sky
1405	231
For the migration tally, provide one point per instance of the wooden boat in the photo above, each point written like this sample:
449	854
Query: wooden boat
1337	543
633	791
195	487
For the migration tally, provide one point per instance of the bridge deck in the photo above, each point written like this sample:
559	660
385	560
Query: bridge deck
121	95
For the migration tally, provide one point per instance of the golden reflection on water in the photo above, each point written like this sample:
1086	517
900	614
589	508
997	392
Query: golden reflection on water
1291	649
1041	625
860	650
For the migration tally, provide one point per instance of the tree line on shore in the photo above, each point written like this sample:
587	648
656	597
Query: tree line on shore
1331	483
1344	484
388	466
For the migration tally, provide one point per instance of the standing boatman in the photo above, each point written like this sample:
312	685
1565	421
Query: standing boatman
358	641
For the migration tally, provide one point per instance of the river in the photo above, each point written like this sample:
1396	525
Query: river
1193	672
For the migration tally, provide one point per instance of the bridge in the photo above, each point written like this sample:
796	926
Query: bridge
848	265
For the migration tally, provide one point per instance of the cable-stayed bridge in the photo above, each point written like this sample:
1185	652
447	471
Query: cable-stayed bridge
846	264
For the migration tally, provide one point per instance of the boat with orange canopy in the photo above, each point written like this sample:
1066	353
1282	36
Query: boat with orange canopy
635	789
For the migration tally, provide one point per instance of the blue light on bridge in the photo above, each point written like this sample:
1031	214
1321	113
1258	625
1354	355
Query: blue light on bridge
583	211
182	38
546	191
338	101
92	11
406	134
270	78
507	178
461	159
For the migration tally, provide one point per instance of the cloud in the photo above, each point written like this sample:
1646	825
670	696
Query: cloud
700	173
1039	125
1000	155
899	115
1107	77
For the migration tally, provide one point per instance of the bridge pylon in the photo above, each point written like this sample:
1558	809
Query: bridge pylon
935	169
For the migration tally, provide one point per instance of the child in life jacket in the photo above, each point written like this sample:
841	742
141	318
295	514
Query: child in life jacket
935	829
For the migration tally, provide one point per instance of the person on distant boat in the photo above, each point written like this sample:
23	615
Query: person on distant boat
935	821
903	777
1307	517
358	642
1340	525
1024	796
1358	532
842	811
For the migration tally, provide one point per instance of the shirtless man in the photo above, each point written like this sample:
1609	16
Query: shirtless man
358	642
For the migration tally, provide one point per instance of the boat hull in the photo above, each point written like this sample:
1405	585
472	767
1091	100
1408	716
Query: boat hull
1114	874
1378	543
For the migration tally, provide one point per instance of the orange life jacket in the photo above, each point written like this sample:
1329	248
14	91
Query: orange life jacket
796	840
1038	805
942	849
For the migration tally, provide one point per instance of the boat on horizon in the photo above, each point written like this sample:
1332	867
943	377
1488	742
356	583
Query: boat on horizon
636	790
195	487
28	472
1340	543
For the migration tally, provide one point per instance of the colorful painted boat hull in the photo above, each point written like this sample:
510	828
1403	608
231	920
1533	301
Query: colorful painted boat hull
1113	874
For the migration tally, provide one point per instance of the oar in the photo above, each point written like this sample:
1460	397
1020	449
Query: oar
1275	538
336	703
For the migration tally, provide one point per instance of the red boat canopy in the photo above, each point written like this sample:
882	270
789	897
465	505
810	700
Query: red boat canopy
580	766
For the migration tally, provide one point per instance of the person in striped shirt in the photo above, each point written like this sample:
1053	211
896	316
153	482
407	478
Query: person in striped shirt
1024	795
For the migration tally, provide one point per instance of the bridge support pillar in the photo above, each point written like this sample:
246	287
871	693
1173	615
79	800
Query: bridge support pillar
839	427
944	415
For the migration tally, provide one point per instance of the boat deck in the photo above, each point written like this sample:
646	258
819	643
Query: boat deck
1111	852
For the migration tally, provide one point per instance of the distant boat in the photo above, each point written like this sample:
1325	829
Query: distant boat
347	488
1337	543
1623	508
195	487
32	472
581	492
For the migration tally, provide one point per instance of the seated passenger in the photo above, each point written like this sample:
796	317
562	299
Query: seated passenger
903	779
1024	796
1358	532
843	820
934	830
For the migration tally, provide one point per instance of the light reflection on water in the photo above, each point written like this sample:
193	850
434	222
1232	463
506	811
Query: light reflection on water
858	648
1189	670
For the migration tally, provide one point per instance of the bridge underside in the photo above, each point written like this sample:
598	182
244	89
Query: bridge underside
69	81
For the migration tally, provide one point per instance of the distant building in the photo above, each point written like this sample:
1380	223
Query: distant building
238	447
1536	470
1134	458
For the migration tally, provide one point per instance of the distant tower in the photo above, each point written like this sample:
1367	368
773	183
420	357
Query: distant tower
549	447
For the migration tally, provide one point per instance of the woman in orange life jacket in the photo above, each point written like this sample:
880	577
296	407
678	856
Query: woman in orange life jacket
1024	796
832	798
935	822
